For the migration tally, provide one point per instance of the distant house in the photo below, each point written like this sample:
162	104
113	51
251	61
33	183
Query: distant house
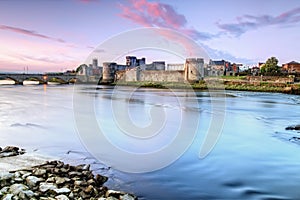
218	67
260	64
291	67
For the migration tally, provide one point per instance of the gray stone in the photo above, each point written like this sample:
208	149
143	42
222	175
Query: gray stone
59	180
63	190
33	180
39	172
73	174
296	127
61	197
17	188
25	174
7	197
26	194
86	167
127	197
50	180
18	174
7	154
6	176
111	198
4	189
44	187
18	180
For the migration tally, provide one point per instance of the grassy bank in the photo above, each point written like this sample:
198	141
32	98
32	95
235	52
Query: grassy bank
237	83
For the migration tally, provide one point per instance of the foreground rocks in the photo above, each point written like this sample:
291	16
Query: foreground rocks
57	180
11	151
296	127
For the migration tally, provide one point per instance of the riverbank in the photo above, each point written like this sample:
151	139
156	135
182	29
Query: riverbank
34	176
223	83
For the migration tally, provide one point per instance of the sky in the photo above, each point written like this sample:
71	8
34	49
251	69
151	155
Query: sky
58	35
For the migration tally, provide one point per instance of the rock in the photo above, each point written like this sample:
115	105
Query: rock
50	180
39	172
44	187
56	180
10	149
6	176
17	174
18	180
33	180
73	174
127	197
71	195
61	197
26	175
120	195
26	194
100	179
89	189
4	190
8	154
91	182
111	198
7	197
63	190
78	183
296	127
86	167
59	180
17	188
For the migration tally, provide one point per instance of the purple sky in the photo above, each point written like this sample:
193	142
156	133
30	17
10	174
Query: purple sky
58	35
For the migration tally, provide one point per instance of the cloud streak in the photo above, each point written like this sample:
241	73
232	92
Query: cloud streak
29	33
155	14
250	22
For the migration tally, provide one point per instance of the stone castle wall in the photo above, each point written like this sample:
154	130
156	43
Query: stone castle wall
150	75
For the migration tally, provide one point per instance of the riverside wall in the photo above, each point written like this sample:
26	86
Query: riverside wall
151	76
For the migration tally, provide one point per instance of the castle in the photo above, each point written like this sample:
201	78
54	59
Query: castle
137	70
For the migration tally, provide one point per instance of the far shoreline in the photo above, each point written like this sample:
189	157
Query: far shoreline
220	84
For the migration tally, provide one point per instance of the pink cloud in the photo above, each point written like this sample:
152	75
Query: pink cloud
29	32
155	14
251	22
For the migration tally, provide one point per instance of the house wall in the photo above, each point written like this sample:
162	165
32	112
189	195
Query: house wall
291	67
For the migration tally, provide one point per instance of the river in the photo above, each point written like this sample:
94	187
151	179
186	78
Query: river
253	158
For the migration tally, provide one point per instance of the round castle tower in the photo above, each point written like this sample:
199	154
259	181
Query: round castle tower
109	69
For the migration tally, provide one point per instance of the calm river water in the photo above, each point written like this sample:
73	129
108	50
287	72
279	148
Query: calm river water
254	158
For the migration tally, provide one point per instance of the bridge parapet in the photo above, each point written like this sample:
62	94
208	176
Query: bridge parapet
43	78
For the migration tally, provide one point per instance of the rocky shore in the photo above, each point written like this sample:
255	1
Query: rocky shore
54	180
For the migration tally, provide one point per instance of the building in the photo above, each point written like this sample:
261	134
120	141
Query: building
291	67
156	65
89	73
132	61
194	69
218	67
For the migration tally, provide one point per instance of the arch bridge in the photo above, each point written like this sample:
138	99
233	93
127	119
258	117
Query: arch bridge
42	78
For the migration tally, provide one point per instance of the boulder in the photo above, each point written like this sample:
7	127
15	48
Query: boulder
296	127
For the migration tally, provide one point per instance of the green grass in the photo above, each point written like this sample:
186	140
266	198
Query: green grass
234	77
217	84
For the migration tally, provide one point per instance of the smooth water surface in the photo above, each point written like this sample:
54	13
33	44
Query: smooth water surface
254	158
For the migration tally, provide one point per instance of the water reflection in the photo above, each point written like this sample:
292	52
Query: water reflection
255	158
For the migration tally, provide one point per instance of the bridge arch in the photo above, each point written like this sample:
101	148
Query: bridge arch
57	80
33	78
10	78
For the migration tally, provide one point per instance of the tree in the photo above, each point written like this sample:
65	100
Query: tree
270	67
